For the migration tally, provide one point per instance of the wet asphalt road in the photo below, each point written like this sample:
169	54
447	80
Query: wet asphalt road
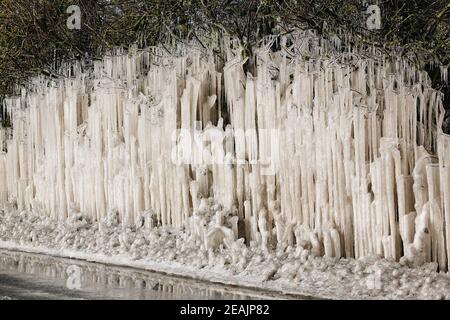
31	277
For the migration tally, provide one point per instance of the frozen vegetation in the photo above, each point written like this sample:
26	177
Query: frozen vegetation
322	170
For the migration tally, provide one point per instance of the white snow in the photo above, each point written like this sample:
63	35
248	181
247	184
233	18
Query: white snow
165	249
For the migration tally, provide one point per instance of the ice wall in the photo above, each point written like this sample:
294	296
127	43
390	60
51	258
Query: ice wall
335	150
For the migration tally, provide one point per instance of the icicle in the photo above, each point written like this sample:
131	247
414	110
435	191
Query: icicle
444	73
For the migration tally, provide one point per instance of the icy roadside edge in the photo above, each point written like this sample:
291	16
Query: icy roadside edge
175	269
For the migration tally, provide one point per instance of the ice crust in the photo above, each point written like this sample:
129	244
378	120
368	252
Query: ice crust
292	270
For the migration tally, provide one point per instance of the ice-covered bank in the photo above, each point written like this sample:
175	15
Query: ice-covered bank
165	249
322	149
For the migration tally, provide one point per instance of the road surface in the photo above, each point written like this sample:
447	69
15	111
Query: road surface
32	276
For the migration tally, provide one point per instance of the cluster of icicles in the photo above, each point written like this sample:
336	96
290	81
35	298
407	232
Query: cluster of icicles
340	153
